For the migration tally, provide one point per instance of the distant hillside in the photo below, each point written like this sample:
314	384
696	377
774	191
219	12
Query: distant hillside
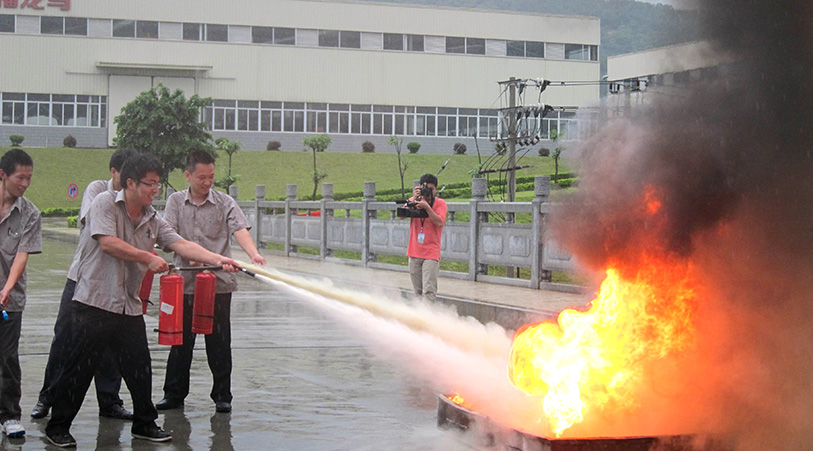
626	25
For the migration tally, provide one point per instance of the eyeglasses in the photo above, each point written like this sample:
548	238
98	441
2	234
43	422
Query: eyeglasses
151	185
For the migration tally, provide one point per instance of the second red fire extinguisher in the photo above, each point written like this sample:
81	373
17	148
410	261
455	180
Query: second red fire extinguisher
203	312
170	319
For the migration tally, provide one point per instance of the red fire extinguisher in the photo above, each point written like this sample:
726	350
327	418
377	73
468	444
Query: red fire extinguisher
170	320
146	288
204	308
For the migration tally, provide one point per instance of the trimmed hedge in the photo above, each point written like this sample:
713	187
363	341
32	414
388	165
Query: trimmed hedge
462	189
59	212
72	221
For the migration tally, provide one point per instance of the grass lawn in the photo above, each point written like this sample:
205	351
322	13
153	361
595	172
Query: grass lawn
56	168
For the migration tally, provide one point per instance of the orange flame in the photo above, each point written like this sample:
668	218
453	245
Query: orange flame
457	399
653	204
592	361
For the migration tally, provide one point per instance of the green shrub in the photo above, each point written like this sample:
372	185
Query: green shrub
544	152
58	212
69	141
273	145
16	140
414	147
459	149
367	147
72	221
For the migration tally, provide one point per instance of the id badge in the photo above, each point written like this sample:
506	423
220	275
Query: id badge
420	238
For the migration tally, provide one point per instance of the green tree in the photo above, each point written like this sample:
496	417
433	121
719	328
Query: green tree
165	123
317	143
230	147
396	141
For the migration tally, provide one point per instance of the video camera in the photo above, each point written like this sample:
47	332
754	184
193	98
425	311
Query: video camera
410	209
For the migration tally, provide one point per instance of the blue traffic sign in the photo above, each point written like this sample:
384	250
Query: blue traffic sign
73	190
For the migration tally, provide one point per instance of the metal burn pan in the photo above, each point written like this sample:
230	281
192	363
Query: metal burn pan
481	432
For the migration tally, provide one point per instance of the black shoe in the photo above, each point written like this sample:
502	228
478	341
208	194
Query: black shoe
223	407
40	411
169	403
116	411
62	439
152	433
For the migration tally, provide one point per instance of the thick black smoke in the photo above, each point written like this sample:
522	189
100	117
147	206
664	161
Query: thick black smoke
731	161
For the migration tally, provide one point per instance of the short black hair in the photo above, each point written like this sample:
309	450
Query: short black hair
198	157
14	158
138	165
120	156
429	178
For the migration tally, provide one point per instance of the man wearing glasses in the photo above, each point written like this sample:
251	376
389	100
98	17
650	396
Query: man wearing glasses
113	259
20	235
107	377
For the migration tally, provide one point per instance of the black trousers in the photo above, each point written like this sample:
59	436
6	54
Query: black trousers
107	377
93	331
10	374
218	353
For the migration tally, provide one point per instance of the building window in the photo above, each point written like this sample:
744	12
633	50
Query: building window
123	28
350	39
13	108
593	53
328	38
191	31
76	26
535	49
577	52
53	110
393	41
414	42
475	46
285	36
262	35
147	29
515	48
455	45
51	25
217	33
6	23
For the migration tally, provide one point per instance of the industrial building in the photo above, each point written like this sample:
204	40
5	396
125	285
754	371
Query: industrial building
283	69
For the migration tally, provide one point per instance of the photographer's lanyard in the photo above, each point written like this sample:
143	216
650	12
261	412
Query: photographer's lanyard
421	236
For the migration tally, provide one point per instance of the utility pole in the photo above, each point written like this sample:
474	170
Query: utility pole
511	178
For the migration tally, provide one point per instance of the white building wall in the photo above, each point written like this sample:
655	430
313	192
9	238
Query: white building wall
242	70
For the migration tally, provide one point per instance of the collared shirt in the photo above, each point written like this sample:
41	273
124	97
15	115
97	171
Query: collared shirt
104	281
430	248
94	189
209	224
20	231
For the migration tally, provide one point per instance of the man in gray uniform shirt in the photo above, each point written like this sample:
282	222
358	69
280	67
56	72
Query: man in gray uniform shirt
107	377
114	257
20	235
209	218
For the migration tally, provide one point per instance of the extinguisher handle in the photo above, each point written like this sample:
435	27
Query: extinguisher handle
200	268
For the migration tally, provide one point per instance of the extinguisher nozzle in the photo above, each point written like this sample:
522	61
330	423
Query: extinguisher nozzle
247	272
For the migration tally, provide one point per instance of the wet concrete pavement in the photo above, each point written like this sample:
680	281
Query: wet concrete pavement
300	381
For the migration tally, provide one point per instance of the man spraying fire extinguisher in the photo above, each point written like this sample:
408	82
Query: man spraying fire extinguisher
113	259
209	218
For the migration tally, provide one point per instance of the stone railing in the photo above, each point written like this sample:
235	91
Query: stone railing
370	228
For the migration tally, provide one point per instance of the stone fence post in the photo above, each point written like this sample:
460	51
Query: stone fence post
479	187
290	196
256	229
233	191
538	225
324	215
366	216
